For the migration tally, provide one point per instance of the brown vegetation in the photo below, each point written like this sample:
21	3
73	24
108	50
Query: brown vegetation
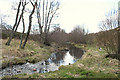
77	35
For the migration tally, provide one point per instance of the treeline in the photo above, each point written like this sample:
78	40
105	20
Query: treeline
107	40
42	10
57	35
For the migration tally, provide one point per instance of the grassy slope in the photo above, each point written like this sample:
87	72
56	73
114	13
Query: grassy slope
93	64
33	52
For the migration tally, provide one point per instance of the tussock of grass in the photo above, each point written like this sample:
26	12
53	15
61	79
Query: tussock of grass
93	64
94	59
67	72
12	55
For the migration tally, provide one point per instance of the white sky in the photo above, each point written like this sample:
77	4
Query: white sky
73	12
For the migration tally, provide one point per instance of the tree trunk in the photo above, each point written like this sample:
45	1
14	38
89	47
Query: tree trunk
19	19
12	32
22	32
30	24
47	28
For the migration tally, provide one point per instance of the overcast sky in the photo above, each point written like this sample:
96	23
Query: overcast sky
73	12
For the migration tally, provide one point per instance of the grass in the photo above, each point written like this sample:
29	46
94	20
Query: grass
93	64
67	72
33	53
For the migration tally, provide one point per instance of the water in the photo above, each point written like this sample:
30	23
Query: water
51	64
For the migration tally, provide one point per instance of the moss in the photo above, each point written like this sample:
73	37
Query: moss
72	72
33	53
67	76
31	59
14	61
118	75
35	75
94	65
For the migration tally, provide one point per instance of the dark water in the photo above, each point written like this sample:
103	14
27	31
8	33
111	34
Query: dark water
51	64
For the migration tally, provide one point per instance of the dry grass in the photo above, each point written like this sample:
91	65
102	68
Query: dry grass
95	60
13	49
14	55
93	64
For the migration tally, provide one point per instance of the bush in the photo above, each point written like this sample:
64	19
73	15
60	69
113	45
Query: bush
109	40
17	35
78	35
4	36
58	36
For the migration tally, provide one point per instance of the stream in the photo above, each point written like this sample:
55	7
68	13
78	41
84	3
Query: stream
64	57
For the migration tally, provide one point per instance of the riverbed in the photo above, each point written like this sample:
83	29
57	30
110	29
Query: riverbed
63	57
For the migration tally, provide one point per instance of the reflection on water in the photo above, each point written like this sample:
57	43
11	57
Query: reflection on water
76	52
51	64
68	59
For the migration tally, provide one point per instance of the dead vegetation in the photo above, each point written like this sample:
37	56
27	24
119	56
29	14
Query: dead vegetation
34	52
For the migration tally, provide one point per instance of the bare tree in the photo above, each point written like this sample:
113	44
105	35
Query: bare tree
30	23
58	36
77	35
2	24
24	3
46	11
21	17
108	37
23	24
17	21
108	23
12	32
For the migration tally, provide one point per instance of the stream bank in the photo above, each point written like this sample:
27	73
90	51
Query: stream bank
33	52
92	64
57	59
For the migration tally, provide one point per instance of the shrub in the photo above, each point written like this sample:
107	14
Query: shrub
109	40
4	36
